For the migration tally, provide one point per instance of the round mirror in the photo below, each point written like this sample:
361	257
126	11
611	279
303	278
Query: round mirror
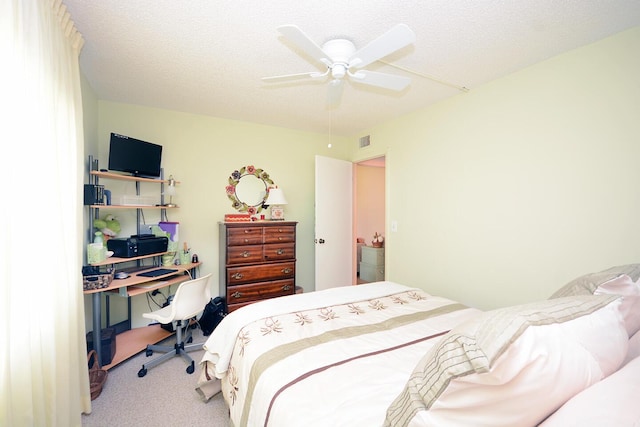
251	190
247	189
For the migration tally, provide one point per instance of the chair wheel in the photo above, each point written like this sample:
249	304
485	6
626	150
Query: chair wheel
149	352
190	368
142	372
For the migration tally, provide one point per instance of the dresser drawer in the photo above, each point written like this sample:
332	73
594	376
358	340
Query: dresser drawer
279	251
371	273
256	273
257	291
279	234
257	261
244	236
373	256
245	254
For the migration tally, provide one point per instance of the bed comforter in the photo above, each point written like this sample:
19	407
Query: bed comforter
344	354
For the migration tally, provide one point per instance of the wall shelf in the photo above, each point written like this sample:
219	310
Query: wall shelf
111	175
131	341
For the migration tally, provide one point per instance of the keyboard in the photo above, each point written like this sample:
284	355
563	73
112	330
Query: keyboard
154	284
157	272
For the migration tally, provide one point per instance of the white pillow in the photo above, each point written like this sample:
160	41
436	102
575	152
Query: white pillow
610	402
634	349
620	280
514	366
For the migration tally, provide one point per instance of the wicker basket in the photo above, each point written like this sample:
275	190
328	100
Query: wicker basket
97	281
97	375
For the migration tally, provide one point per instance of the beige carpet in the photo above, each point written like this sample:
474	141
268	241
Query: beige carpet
166	396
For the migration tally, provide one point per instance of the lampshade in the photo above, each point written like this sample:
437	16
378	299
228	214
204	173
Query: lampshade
275	197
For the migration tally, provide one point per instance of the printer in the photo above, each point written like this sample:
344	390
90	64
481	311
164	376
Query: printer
137	245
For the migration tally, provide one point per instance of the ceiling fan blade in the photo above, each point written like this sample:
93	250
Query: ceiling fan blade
300	39
383	80
297	76
334	93
396	38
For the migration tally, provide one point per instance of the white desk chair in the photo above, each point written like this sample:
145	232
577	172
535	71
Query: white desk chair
188	302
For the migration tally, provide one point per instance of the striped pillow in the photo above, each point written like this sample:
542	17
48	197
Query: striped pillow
621	280
513	366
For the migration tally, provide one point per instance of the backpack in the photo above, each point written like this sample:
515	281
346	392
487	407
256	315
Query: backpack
213	313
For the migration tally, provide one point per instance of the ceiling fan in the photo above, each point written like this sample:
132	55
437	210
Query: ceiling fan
342	60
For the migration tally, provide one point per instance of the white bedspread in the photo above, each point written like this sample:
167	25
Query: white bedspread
335	357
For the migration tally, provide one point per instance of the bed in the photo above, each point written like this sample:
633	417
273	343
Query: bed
384	354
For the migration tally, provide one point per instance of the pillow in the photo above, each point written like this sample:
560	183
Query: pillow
634	348
610	402
515	365
620	280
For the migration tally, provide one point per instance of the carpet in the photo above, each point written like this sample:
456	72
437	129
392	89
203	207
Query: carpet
166	396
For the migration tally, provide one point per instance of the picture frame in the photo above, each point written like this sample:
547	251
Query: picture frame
277	213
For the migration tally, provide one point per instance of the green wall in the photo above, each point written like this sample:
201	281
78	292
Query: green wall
501	194
201	152
505	193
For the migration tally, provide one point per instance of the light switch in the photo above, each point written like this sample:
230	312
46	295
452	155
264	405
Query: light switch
394	225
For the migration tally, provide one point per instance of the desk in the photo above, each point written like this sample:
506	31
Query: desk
127	288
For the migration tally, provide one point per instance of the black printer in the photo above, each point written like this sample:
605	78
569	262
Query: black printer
137	245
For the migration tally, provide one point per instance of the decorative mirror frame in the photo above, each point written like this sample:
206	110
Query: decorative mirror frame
234	180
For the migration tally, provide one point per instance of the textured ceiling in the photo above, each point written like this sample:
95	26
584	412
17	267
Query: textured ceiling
207	57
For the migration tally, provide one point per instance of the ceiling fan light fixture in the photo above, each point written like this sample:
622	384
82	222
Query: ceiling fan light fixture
338	71
339	50
340	57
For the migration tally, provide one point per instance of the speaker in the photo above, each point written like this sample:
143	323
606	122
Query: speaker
93	194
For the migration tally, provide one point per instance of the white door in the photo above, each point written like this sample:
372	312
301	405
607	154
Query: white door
334	223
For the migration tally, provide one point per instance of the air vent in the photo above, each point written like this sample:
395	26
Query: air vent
365	141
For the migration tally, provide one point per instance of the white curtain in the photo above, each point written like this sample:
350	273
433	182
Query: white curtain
43	362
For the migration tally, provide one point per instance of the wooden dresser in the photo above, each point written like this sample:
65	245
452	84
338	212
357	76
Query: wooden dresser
257	261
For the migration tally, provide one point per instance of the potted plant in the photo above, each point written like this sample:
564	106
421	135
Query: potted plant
377	240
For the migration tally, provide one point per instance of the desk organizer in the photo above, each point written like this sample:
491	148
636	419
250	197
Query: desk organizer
97	281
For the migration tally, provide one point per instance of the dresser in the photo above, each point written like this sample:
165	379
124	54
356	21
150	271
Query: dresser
257	261
372	264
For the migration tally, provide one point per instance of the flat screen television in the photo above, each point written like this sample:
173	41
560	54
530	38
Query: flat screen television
132	155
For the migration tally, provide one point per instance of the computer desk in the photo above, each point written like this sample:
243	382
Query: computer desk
132	286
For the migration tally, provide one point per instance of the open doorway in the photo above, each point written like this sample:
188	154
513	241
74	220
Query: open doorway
369	219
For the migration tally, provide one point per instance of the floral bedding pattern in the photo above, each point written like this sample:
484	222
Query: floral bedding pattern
299	353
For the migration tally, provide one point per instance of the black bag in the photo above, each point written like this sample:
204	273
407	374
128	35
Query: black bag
213	313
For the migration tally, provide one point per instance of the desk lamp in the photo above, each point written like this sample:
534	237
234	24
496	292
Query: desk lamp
171	191
275	198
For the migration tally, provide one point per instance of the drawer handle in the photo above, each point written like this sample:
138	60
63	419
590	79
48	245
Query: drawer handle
236	294
246	240
237	276
286	270
247	231
280	252
286	287
246	254
279	238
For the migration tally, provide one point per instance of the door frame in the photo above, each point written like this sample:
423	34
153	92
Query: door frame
360	162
